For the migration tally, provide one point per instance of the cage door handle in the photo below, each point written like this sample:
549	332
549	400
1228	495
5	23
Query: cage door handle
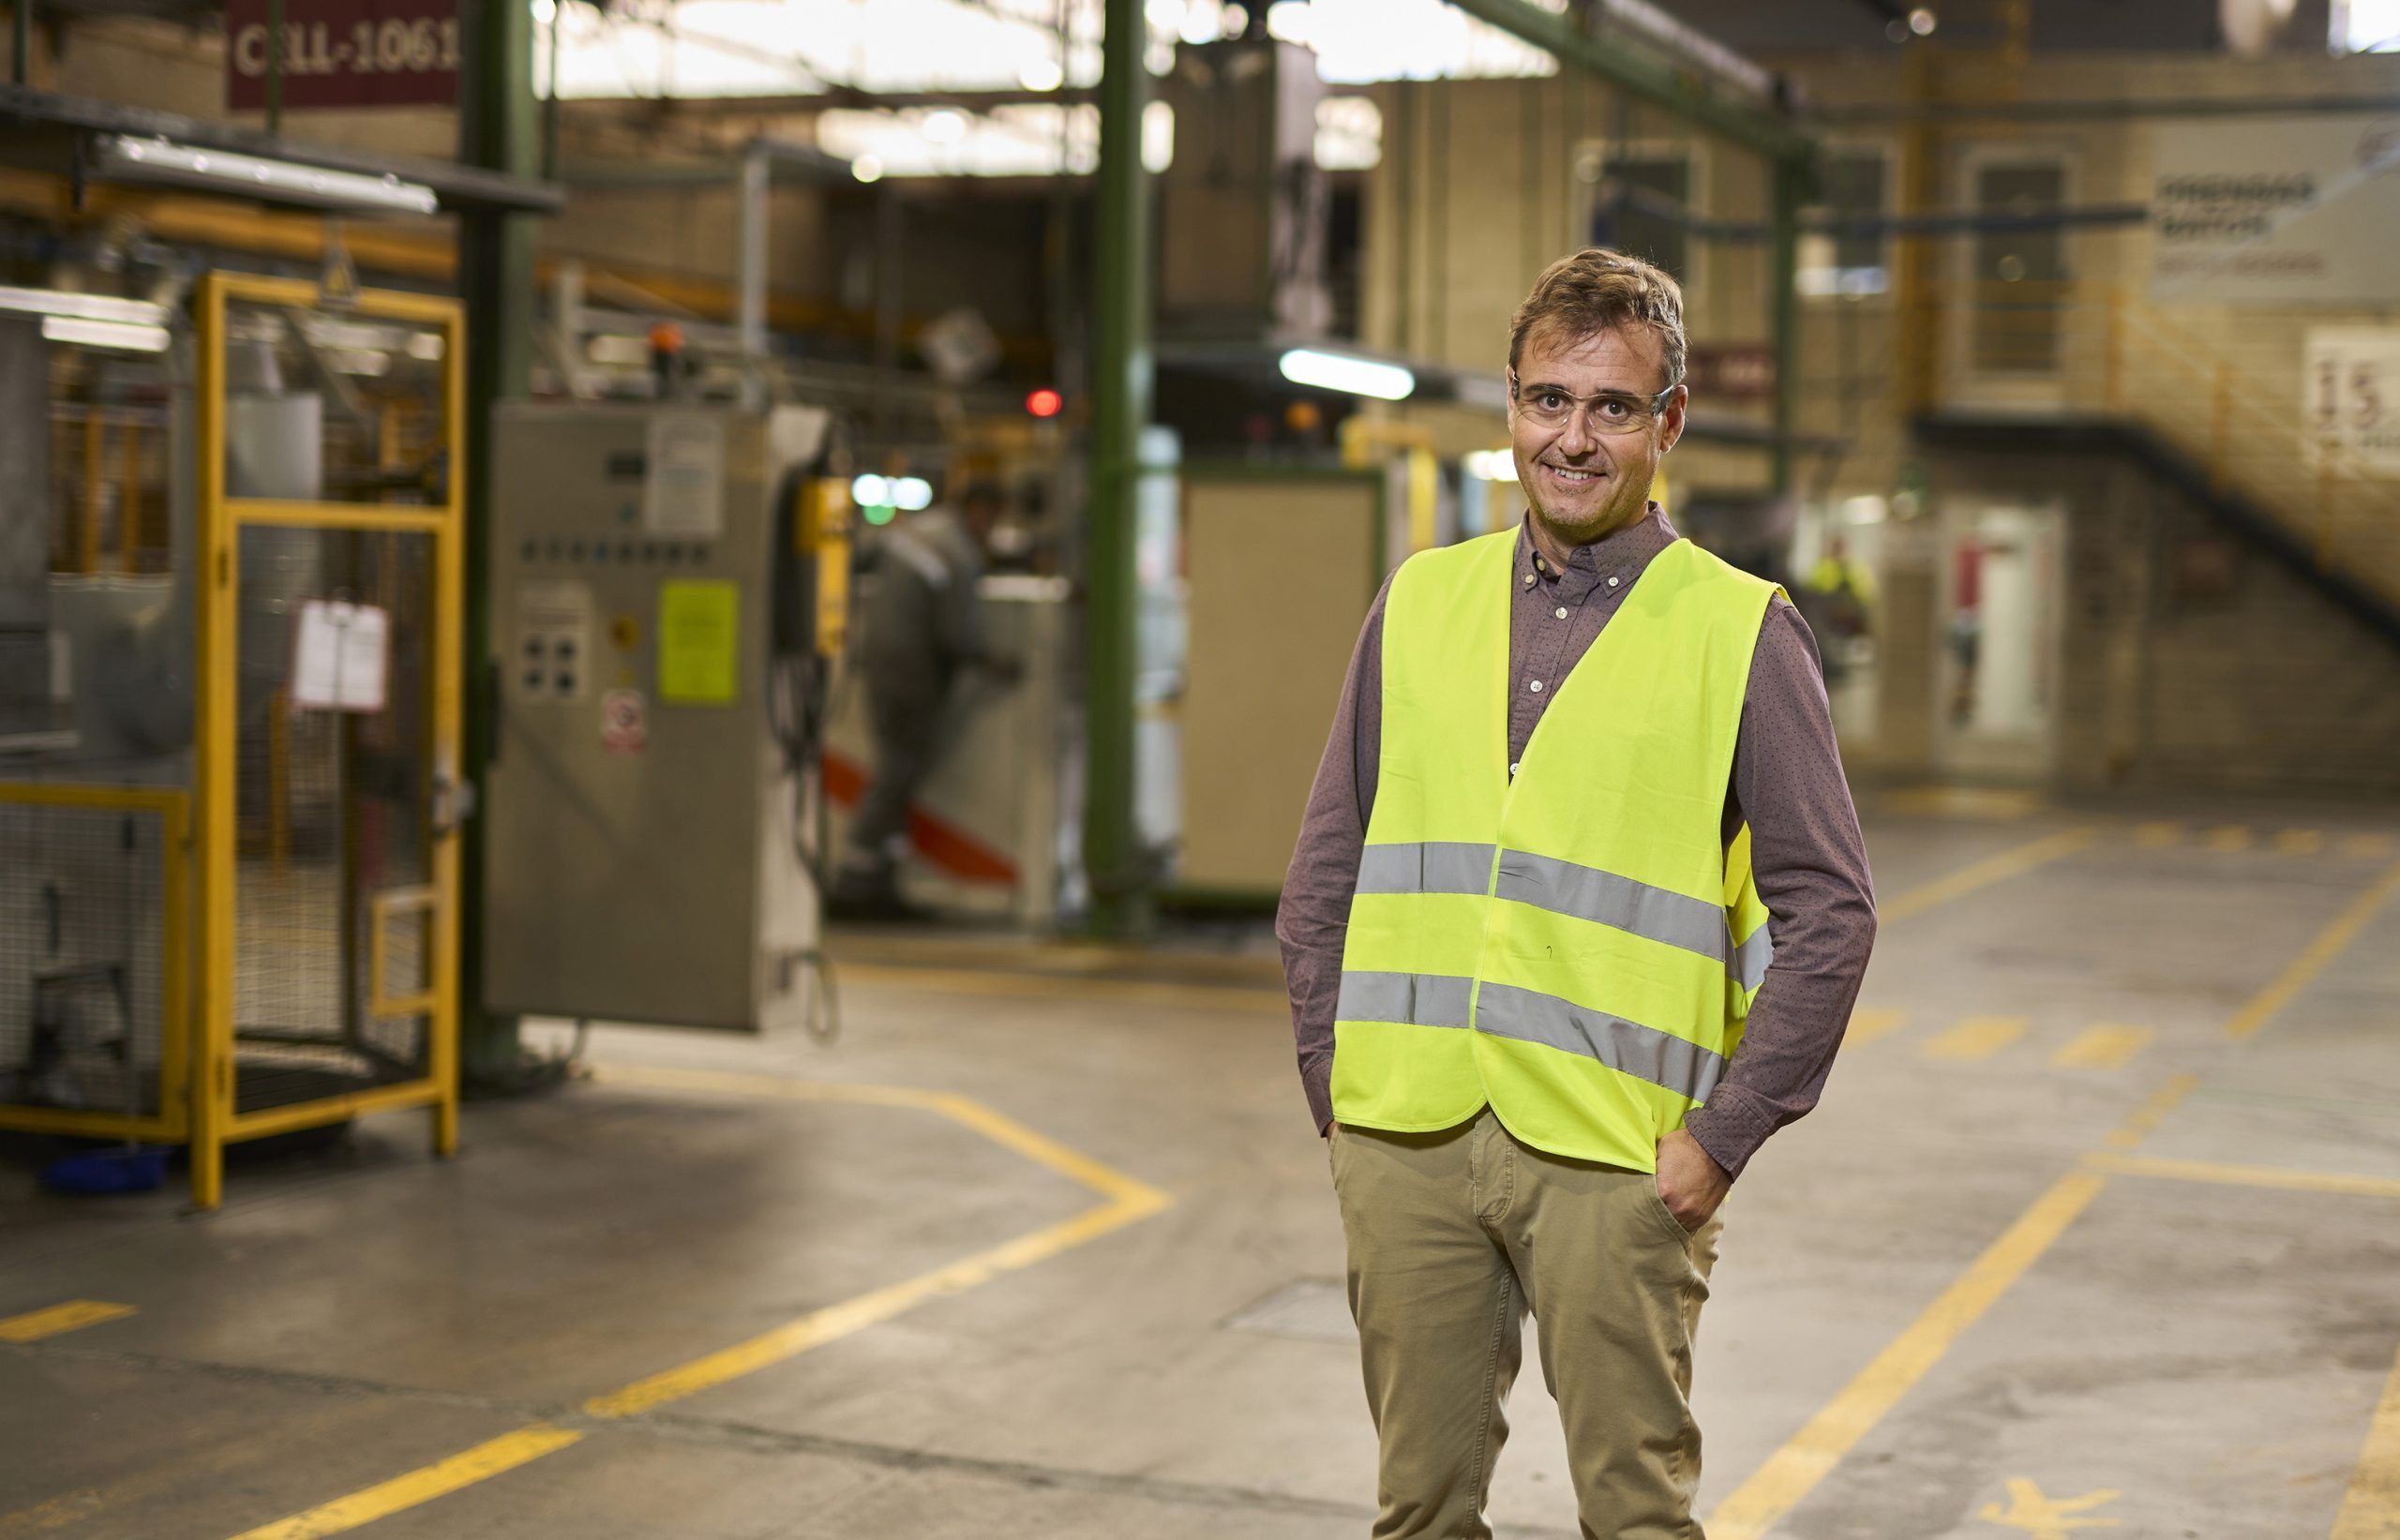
454	802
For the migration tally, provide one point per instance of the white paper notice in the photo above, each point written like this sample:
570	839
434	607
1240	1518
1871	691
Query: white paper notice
684	491
338	662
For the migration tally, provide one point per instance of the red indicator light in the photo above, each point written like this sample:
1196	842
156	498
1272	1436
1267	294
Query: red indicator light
1044	403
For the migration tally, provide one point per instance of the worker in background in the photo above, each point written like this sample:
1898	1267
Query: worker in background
1559	985
1838	600
923	635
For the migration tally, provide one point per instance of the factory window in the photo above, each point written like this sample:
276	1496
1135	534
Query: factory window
1643	208
1847	262
2019	276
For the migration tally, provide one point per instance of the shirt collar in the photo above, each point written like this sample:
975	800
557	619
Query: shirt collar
1621	554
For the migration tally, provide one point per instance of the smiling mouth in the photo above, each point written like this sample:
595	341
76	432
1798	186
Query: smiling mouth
1572	478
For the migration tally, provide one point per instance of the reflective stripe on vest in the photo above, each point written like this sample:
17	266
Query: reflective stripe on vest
1575	946
1583	892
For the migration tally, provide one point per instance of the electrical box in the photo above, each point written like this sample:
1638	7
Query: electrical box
650	812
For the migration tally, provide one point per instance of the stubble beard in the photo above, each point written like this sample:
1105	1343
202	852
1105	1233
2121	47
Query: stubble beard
1622	507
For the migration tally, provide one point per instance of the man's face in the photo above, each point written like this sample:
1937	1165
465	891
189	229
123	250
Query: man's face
1581	482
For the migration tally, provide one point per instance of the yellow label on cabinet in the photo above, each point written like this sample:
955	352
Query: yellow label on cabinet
699	637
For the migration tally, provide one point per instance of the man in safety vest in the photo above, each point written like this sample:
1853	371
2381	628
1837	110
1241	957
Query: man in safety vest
1577	918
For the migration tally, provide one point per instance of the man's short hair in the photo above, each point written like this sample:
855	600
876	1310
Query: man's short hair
1598	290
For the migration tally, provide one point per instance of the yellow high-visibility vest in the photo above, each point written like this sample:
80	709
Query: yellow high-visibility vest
1574	946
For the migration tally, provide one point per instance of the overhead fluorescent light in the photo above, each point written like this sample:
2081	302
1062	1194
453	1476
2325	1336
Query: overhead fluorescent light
105	333
124	158
1343	372
59	301
911	493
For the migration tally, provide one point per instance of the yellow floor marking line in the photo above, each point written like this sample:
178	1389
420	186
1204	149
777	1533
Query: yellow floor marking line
2370	847
464	1468
1868	1026
1065	987
2299	842
1128	1201
2282	1177
1075	959
2047	1518
1811	1454
2229	837
1963	803
74	1315
1977	1038
2371	1508
2158	836
1983	873
1793	1471
2345	926
2146	1118
2102	1047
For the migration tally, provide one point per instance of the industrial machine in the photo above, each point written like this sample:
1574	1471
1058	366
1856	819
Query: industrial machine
229	714
667	581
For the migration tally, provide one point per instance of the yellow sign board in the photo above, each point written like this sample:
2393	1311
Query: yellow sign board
700	635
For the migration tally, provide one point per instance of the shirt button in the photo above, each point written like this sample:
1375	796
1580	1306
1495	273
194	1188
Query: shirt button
1512	770
1535	687
1562	614
1529	579
1612	582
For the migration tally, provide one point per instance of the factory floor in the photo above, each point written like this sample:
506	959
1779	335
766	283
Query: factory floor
2098	1229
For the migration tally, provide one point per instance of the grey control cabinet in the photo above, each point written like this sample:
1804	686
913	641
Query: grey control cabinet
643	825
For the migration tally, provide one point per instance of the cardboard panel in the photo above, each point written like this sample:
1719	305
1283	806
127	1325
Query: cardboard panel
1281	574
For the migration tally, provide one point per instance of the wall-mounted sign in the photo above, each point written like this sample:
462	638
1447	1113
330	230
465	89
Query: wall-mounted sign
346	54
2275	211
1730	372
2352	378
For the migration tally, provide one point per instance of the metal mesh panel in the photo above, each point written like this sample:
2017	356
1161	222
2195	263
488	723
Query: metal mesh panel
108	491
82	941
331	811
332	408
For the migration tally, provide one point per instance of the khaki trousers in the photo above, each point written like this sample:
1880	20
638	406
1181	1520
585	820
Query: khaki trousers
1453	1236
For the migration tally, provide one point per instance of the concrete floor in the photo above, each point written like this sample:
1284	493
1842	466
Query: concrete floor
1934	1315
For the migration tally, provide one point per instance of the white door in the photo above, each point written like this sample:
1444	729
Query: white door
1996	707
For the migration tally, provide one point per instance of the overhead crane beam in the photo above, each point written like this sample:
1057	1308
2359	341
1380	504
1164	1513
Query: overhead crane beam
1686	90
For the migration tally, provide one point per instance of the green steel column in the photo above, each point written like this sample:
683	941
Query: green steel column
20	42
1792	179
1122	370
275	67
498	131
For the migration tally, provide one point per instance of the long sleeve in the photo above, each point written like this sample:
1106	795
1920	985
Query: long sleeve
1314	914
1810	863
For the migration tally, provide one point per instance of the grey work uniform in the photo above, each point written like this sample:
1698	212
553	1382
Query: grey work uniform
922	630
